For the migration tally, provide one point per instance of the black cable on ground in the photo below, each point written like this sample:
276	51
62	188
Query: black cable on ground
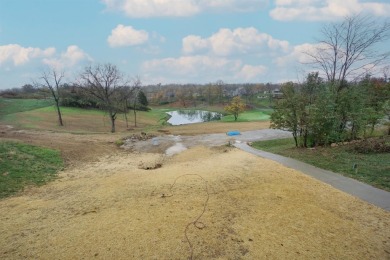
198	224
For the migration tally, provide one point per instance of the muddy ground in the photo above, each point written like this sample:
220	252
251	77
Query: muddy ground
202	203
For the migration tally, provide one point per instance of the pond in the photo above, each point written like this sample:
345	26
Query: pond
182	117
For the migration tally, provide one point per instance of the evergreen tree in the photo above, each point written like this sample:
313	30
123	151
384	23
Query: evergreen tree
142	99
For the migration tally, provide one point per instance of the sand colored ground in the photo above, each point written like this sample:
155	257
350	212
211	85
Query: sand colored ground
112	208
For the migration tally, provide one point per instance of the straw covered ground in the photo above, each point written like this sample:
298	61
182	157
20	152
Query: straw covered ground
203	203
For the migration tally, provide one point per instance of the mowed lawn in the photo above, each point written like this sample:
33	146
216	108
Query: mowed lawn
78	120
10	106
250	115
41	114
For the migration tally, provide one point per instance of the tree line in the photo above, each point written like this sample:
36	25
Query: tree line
217	93
340	101
347	102
100	86
318	115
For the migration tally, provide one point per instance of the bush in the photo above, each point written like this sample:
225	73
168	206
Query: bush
373	145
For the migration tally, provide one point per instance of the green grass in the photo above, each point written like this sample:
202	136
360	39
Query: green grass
11	106
22	165
41	114
248	116
373	169
157	113
261	102
72	110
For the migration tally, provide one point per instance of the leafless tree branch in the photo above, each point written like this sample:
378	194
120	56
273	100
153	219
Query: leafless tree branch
349	49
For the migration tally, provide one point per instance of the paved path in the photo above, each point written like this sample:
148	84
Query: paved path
220	139
358	189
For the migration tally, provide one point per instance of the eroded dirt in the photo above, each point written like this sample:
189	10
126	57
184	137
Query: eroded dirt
113	204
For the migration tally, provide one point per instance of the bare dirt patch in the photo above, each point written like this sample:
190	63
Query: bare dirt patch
112	207
75	148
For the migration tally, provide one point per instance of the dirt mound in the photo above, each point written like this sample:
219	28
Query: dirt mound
111	208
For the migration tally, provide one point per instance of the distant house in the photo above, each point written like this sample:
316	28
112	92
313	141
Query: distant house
276	93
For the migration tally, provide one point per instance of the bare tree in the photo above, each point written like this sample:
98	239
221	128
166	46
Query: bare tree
105	83
220	85
52	80
126	94
136	86
348	50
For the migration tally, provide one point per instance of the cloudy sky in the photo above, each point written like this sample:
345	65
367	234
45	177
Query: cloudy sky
168	41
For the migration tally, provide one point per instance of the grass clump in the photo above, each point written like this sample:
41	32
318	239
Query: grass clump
22	165
119	142
369	167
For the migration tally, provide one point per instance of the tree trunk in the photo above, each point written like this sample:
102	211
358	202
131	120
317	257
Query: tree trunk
112	117
295	138
125	110
305	135
135	117
59	113
127	121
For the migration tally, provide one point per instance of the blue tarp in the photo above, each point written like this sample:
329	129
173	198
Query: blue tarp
231	133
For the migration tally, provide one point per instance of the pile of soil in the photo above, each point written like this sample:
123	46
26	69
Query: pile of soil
203	203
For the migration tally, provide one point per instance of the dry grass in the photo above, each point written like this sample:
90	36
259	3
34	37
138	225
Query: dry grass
258	209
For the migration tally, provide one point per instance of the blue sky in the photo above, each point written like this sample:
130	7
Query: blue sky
168	41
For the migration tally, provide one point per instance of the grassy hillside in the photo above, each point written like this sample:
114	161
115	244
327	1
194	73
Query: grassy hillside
78	120
10	106
41	114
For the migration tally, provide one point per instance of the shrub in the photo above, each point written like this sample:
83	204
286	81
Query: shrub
373	145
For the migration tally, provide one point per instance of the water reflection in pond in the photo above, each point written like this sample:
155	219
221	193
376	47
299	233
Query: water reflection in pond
182	117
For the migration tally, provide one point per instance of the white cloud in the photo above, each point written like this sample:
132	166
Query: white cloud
20	55
191	65
249	72
160	8
71	57
233	5
238	41
201	68
317	10
298	54
194	43
127	36
150	8
228	54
